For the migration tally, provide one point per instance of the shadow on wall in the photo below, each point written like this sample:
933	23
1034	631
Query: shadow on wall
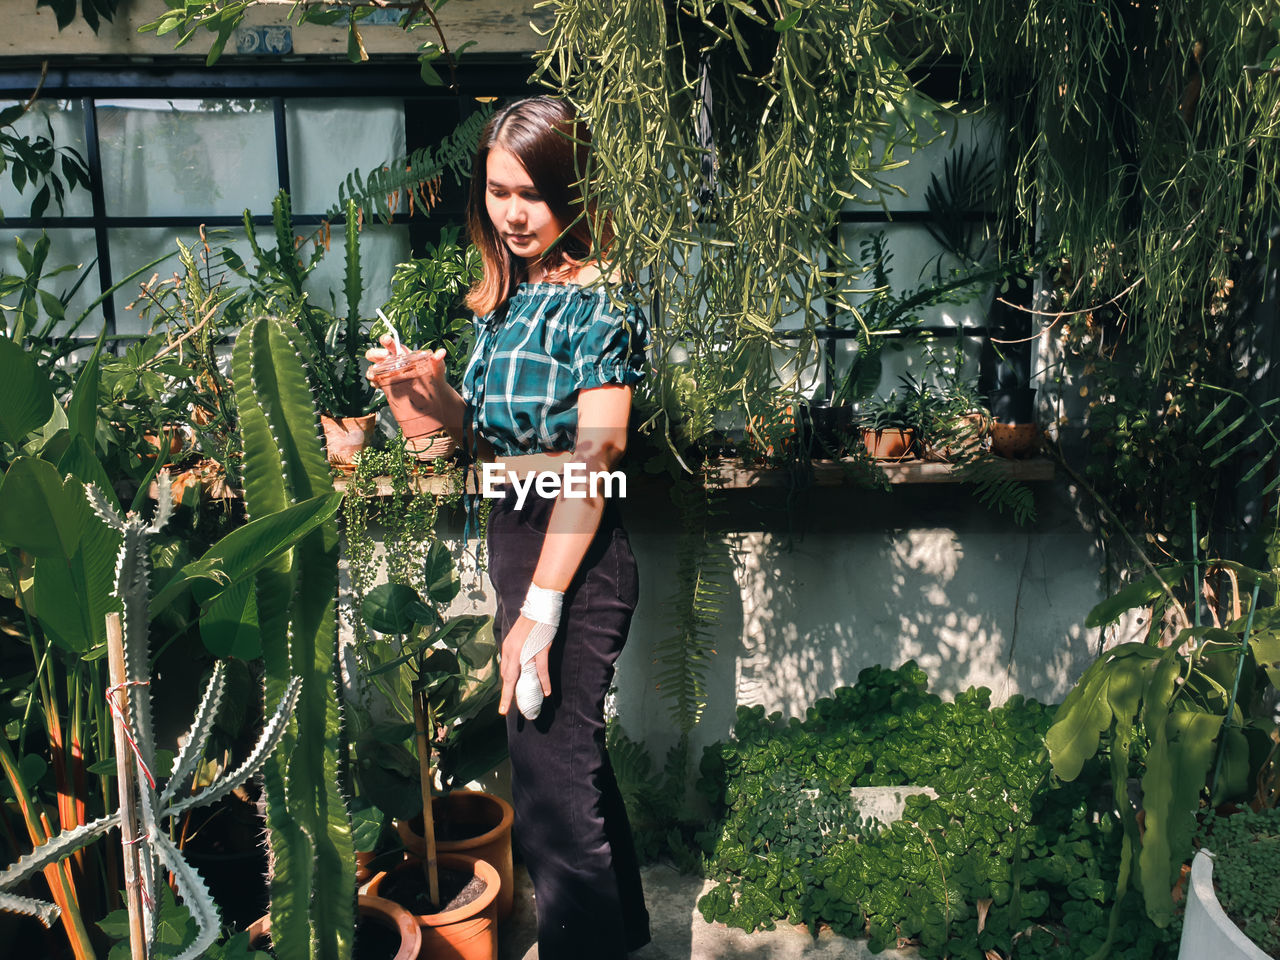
976	602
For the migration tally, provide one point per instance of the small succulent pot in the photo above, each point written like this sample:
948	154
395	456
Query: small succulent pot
891	443
1014	440
431	446
344	437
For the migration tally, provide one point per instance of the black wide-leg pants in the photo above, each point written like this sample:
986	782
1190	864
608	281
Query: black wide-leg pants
570	821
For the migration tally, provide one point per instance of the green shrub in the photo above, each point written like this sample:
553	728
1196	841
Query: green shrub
1004	858
1246	871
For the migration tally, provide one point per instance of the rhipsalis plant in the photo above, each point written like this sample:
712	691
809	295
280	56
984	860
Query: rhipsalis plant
295	597
150	805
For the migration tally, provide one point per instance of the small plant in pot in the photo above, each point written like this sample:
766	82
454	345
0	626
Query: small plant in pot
453	690
898	427
426	308
1245	850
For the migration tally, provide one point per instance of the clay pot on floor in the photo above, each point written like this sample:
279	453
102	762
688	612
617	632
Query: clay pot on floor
487	821
467	932
344	437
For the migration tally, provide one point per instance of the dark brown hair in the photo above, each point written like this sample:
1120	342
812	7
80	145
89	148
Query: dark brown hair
554	147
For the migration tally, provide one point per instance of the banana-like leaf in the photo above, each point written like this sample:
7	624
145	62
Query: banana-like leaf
26	397
39	512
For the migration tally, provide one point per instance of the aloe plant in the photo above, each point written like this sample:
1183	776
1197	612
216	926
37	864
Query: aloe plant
149	804
313	856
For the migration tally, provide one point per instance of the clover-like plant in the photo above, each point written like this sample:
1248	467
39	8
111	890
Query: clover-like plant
148	805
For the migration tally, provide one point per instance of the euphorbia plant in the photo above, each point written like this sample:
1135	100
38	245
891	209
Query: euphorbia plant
457	730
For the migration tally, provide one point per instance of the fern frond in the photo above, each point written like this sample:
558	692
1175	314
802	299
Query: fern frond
413	174
995	489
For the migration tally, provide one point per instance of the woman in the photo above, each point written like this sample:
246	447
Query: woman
549	383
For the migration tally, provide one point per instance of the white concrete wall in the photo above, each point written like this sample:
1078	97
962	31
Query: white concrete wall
868	578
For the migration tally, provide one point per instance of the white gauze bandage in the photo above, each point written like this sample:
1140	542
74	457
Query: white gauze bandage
543	608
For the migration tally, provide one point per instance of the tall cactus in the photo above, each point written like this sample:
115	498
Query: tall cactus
151	805
313	858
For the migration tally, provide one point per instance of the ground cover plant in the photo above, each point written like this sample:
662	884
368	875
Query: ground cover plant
1005	858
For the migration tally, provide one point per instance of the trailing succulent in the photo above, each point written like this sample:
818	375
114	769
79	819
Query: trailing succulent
1004	858
153	805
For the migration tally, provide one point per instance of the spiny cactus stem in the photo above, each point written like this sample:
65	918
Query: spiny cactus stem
128	782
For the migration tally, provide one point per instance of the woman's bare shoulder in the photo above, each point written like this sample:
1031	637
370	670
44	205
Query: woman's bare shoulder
593	271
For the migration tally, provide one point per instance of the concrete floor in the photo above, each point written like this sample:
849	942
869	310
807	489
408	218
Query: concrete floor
680	932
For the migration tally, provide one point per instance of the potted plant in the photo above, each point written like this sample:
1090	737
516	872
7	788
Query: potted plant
960	424
457	732
1233	902
898	428
332	346
426	310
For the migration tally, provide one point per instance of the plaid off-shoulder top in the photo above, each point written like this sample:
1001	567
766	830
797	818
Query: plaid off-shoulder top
531	359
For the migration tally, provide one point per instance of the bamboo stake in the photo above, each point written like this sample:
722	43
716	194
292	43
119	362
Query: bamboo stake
127	771
430	868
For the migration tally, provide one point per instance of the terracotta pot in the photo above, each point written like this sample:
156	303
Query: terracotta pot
431	445
385	913
177	438
469	932
1014	440
344	437
889	444
964	437
490	816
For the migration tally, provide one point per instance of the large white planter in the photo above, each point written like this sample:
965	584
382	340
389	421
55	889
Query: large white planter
1207	932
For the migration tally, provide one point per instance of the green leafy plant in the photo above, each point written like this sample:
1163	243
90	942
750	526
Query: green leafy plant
143	805
1189	720
34	159
426	300
1246	870
1001	859
454	692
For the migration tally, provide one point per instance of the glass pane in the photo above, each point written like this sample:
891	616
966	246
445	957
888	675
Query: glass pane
136	312
969	141
67	248
330	138
187	157
59	121
381	248
914	262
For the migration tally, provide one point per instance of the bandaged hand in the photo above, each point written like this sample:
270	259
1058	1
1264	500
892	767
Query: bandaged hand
542	608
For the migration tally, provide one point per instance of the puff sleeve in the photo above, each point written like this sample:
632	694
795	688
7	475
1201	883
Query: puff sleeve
609	343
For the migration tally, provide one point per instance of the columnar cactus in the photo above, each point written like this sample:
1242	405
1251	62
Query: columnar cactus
313	856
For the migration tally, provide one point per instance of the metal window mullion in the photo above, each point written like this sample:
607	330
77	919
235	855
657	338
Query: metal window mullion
282	145
98	195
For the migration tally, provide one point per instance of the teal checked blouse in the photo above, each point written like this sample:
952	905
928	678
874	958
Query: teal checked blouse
521	384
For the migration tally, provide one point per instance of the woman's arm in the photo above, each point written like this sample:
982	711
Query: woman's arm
603	414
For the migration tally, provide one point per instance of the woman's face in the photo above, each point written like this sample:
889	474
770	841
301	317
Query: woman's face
519	214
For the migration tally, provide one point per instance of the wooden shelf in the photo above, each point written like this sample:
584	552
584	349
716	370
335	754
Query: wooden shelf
737	475
438	484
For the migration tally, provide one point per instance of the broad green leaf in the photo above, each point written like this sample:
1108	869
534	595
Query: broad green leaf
396	608
1137	594
39	513
245	550
440	574
26	397
229	627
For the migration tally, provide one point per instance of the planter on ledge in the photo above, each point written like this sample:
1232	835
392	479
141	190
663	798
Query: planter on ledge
1207	931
